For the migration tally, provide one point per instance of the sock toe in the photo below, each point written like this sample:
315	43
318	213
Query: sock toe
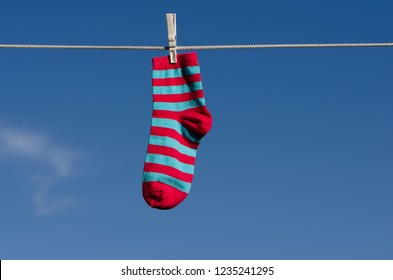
161	196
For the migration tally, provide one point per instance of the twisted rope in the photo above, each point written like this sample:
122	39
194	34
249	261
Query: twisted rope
274	46
211	47
81	47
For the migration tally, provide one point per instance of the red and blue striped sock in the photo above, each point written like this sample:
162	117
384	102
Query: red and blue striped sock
180	120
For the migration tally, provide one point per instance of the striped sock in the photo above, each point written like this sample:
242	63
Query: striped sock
180	120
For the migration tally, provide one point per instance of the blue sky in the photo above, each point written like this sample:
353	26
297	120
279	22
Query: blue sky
298	164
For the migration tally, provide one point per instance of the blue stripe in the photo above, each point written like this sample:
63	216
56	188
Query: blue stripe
172	143
175	125
175	73
179	106
177	89
166	179
171	162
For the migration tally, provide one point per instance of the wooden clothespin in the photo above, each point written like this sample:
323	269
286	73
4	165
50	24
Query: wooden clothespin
171	24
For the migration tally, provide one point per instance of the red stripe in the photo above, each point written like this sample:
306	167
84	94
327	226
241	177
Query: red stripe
167	151
202	110
177	81
163	131
163	169
183	60
178	97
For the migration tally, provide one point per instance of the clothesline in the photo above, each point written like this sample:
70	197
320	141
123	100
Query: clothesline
209	47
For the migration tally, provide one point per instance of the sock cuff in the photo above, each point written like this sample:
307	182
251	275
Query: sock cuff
183	60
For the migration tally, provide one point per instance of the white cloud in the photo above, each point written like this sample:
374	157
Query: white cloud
37	147
46	201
